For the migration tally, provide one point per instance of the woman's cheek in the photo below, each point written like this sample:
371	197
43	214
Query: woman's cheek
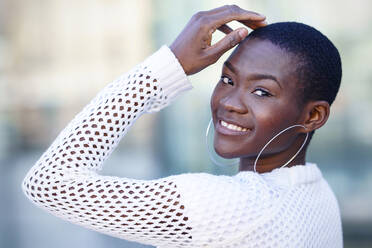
215	98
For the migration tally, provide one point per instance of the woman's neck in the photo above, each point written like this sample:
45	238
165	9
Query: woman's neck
268	164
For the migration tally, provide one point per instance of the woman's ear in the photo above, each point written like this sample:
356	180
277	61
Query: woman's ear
316	114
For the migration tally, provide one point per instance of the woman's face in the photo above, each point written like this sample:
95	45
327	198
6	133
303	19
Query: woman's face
254	100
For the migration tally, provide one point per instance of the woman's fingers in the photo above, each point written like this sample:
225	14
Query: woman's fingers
225	29
193	47
228	42
230	13
253	25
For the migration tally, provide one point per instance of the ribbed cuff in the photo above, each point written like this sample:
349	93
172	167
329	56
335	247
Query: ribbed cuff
172	78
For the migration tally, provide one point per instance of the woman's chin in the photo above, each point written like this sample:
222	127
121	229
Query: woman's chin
228	154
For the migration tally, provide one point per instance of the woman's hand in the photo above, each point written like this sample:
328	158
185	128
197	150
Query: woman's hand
193	47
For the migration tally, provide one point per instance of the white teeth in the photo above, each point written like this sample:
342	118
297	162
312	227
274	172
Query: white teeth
233	127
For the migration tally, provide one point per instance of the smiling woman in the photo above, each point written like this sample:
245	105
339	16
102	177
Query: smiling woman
262	89
257	96
281	76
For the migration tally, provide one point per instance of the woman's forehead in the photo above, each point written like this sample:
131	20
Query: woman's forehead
257	56
259	53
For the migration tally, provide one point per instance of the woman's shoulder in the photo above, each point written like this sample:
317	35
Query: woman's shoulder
212	180
223	205
205	188
203	178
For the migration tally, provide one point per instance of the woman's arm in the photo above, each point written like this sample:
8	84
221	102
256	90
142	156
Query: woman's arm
64	181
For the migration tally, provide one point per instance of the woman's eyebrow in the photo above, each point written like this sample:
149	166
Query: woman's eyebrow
230	66
255	76
258	76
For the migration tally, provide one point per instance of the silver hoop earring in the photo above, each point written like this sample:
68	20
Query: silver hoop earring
298	125
210	152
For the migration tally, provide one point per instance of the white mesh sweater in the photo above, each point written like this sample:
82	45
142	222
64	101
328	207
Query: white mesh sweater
288	207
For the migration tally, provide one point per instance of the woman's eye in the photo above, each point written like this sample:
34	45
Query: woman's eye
261	92
226	80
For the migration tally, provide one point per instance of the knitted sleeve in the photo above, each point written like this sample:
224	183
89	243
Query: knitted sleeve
65	180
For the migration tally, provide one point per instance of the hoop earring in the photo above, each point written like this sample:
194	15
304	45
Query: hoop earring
211	156
297	125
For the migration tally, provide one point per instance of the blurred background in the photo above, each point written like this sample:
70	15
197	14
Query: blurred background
56	55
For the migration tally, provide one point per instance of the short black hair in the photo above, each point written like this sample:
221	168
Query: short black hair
319	63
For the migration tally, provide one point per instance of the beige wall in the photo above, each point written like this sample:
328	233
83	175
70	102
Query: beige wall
62	52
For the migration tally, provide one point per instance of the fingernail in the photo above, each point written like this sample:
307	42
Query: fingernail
243	32
260	15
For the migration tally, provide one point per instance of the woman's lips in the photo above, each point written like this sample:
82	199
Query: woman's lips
226	128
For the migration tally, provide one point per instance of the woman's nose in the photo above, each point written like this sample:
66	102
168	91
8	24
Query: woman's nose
234	103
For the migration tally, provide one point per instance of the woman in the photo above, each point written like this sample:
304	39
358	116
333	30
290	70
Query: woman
273	90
